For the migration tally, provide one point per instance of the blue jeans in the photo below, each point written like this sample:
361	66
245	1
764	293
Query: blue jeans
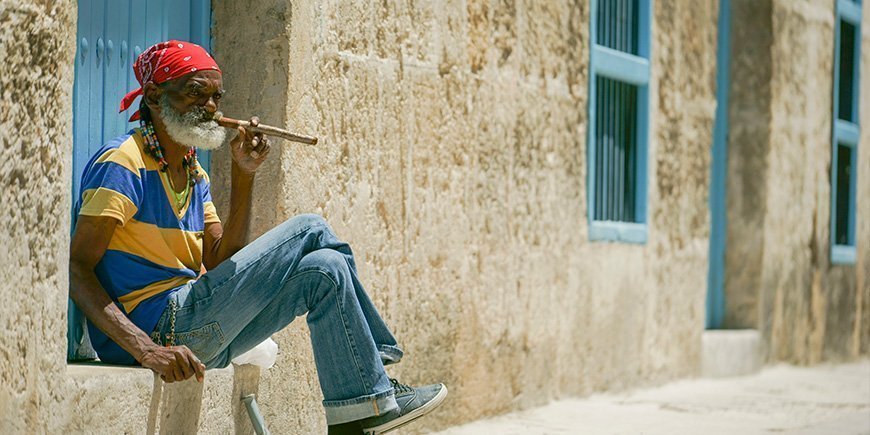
298	267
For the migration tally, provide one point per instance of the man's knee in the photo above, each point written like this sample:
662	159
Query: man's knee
308	220
305	223
327	261
330	274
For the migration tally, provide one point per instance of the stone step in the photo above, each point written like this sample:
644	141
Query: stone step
730	352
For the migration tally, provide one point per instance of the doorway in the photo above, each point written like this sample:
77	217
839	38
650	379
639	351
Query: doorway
110	35
719	166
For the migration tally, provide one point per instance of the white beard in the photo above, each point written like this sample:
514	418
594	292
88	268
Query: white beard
189	129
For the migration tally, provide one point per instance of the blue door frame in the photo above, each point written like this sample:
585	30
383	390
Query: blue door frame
110	35
716	274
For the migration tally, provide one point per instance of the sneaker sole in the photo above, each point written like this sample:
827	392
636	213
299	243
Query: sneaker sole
411	416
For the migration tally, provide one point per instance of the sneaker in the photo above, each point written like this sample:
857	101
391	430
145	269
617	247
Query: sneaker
413	403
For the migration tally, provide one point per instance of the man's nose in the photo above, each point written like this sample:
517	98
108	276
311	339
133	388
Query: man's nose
211	105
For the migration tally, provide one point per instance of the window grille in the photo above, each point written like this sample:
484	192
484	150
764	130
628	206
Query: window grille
618	120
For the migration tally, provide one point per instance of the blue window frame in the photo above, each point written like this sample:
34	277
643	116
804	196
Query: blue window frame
618	120
844	149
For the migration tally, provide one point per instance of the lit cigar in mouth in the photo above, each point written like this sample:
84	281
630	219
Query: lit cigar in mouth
268	130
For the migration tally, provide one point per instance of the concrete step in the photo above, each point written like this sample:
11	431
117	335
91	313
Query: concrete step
730	352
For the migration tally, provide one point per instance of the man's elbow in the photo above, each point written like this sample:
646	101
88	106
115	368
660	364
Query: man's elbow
210	263
212	254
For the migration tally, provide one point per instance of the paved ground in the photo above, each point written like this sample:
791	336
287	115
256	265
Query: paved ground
780	400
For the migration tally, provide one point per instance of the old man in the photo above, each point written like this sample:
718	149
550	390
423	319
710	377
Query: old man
147	230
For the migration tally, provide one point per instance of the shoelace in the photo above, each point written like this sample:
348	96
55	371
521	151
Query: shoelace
400	387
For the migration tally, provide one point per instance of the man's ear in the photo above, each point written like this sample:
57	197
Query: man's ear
151	96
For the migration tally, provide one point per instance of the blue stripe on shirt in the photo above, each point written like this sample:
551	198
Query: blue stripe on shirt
121	273
116	177
157	210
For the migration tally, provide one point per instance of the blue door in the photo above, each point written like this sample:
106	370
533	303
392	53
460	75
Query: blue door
110	35
716	275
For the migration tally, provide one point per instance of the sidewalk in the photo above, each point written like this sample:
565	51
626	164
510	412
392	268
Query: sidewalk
831	399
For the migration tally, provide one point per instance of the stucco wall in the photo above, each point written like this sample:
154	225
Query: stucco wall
861	336
779	276
748	146
36	76
452	157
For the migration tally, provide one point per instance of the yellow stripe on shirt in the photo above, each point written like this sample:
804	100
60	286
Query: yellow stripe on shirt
103	201
210	212
131	300
168	247
128	155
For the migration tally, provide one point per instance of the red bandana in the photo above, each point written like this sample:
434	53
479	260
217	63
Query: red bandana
167	61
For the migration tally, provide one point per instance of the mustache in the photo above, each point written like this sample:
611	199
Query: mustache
198	115
195	127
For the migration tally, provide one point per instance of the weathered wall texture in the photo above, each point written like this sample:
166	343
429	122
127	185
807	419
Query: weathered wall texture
861	336
779	276
36	77
452	157
748	145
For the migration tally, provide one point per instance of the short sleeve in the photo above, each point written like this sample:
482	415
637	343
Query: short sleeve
211	216
208	207
110	189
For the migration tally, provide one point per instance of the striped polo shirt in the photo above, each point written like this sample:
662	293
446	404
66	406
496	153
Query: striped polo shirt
156	247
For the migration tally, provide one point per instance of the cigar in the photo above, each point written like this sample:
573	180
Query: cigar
268	130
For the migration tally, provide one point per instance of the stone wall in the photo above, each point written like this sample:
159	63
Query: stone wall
861	333
779	277
452	157
748	146
36	78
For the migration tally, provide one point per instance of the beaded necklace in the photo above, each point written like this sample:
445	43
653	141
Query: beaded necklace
153	148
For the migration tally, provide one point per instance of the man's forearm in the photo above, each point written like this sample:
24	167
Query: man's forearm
235	235
89	295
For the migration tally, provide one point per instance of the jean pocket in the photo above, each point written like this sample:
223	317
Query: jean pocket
204	342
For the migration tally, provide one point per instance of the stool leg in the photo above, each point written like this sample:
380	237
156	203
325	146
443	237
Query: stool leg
156	392
256	417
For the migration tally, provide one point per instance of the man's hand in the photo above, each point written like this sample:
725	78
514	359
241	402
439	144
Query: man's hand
249	149
173	363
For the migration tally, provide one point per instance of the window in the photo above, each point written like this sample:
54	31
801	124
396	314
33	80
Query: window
618	120
844	156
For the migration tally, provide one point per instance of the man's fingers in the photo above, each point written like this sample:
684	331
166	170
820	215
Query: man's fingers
261	143
174	373
181	359
198	367
242	134
177	374
255	121
265	152
250	131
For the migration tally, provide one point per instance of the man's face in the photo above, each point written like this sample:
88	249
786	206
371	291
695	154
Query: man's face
202	89
186	106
